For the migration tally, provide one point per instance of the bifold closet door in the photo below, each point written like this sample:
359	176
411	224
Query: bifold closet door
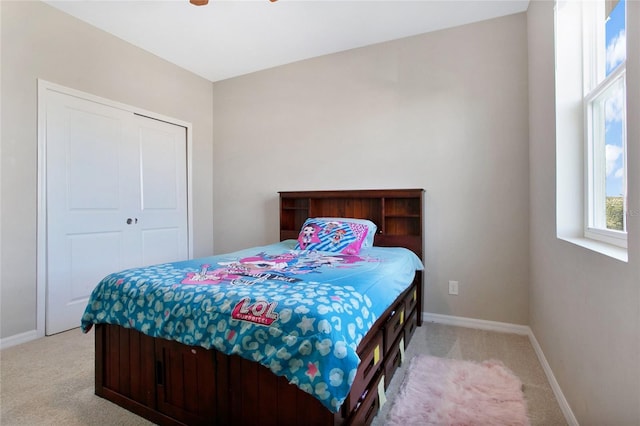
162	201
116	198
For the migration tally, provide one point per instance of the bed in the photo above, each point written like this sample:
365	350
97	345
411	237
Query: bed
308	330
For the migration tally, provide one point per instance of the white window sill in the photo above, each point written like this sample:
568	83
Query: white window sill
610	250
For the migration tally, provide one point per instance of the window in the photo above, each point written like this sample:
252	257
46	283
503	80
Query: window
605	118
591	117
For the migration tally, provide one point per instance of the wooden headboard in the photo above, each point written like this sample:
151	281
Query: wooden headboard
398	213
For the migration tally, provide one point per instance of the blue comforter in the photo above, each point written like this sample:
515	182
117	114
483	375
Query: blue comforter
301	314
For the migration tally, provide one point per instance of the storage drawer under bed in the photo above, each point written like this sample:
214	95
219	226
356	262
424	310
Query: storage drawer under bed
394	325
367	409
410	327
370	361
411	299
393	359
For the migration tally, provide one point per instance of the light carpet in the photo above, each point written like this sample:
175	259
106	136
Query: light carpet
50	381
447	392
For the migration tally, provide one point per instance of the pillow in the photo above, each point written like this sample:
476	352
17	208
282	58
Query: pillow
372	228
336	235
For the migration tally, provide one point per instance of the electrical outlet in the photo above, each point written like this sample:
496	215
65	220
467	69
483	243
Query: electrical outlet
453	287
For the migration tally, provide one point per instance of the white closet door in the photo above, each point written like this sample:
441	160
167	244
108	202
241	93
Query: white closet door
104	179
163	196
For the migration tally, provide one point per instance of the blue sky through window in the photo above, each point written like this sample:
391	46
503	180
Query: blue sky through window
615	31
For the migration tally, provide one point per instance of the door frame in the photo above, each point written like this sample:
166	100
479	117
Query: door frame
44	87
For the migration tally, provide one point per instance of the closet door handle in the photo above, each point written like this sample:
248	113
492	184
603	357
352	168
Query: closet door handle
129	221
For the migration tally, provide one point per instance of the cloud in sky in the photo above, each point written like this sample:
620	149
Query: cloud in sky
614	105
612	154
617	50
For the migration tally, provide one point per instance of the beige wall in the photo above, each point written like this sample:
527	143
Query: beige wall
462	113
38	41
584	307
445	111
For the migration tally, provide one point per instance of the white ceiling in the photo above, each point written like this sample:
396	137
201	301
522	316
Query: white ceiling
228	38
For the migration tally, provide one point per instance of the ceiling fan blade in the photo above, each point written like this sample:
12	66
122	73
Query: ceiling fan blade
205	2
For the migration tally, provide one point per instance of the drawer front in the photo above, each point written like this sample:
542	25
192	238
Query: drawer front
410	327
393	360
370	361
394	326
411	299
369	406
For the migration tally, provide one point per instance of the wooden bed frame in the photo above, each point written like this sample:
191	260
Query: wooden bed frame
170	383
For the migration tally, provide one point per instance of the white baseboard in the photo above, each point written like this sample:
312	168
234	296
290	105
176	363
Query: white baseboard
17	339
503	327
562	401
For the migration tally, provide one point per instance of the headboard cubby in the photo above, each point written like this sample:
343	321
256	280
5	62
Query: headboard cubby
398	213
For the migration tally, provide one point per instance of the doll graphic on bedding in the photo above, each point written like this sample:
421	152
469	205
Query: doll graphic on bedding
308	235
205	276
337	236
334	232
259	267
262	266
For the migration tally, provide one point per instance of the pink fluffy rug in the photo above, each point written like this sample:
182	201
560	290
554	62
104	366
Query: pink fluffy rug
447	392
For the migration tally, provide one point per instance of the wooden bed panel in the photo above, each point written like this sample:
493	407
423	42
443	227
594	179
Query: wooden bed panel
260	397
340	207
130	368
223	380
186	382
197	386
267	401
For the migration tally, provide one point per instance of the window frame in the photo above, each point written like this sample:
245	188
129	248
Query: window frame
595	84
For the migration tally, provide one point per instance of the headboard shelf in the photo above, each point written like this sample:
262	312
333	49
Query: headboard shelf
398	213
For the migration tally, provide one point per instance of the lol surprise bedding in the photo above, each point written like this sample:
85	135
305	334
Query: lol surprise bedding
300	313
